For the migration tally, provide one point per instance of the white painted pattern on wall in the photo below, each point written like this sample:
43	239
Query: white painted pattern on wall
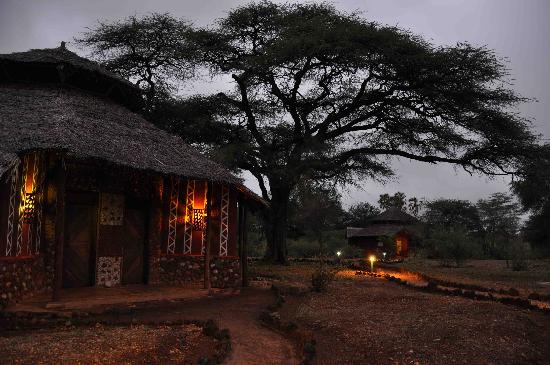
224	229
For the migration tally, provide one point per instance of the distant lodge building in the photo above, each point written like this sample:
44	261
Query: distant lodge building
92	194
388	232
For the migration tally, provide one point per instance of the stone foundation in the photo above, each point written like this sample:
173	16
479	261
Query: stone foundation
188	271
22	278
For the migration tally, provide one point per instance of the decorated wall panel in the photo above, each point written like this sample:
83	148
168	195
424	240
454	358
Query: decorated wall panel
22	211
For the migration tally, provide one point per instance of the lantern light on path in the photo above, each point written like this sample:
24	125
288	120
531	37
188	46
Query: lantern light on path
372	258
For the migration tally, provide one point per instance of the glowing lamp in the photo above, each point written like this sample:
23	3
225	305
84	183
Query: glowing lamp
199	219
338	253
372	258
28	207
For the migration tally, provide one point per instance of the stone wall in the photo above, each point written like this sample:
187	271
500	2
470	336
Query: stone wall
22	278
188	271
108	272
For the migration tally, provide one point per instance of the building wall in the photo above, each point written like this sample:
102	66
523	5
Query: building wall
177	262
188	271
26	247
29	269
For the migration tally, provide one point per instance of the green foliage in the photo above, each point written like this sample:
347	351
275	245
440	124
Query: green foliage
396	200
307	245
359	215
500	217
452	212
399	200
315	208
452	246
329	95
533	190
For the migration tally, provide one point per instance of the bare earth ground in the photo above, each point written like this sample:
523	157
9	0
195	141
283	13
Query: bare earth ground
488	273
251	342
363	320
107	345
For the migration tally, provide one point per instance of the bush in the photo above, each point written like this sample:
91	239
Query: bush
519	252
321	277
452	246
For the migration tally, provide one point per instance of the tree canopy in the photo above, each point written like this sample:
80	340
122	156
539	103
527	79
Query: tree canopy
322	94
153	51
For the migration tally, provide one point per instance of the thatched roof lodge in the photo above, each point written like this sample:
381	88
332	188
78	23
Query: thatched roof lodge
389	232
92	194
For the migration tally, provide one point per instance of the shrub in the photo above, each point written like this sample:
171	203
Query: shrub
452	246
519	252
321	277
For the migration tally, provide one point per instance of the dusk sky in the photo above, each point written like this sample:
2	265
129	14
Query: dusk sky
517	30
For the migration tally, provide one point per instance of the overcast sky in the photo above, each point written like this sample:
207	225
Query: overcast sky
516	29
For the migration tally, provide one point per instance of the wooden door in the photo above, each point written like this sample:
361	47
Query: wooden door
80	228
133	246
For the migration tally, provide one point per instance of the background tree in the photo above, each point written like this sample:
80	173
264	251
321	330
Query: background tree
318	209
533	190
397	200
331	96
153	51
360	214
500	219
448	213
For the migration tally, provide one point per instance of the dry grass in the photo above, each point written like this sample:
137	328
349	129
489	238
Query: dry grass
139	344
488	273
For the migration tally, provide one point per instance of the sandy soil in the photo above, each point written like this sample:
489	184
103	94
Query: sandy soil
107	345
251	342
363	320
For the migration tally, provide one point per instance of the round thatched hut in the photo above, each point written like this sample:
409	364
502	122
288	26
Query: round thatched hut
92	194
389	233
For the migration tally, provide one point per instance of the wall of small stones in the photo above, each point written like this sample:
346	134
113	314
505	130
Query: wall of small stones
108	271
22	278
188	271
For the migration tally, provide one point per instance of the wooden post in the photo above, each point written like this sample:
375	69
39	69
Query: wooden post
207	284
240	234
244	247
59	227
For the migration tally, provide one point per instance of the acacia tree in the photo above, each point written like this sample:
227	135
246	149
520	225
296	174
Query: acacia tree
322	94
330	95
152	51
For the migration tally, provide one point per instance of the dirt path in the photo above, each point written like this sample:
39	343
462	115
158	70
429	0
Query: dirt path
251	342
363	320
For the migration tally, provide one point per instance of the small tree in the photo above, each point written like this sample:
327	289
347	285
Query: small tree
153	51
360	214
452	246
500	217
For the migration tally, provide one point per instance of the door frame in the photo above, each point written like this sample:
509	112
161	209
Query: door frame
87	198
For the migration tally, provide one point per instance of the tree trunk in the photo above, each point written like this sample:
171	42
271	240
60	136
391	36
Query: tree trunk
276	224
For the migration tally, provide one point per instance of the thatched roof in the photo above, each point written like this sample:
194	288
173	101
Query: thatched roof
41	117
378	230
7	160
394	215
59	65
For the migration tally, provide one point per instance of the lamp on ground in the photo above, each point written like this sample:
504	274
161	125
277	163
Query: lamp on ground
372	258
